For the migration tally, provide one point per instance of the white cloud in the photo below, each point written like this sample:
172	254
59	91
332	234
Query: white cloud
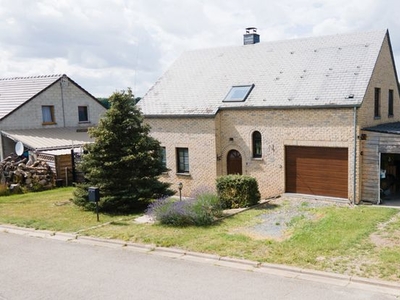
111	45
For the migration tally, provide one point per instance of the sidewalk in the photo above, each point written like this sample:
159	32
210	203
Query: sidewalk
374	285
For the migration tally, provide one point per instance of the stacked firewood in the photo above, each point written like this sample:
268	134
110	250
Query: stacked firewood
33	175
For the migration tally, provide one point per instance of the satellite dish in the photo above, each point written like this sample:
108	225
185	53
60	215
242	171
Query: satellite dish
19	148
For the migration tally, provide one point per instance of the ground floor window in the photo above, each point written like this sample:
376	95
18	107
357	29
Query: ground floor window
163	156
182	155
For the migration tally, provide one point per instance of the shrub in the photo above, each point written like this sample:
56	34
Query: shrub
236	191
209	202
170	211
200	211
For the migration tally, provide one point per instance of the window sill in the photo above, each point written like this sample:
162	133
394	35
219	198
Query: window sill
183	174
377	118
49	123
257	158
390	116
84	122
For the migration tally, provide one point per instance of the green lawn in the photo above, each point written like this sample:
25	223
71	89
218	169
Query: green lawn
51	210
361	240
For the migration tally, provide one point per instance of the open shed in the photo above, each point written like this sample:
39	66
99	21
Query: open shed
60	148
62	162
380	152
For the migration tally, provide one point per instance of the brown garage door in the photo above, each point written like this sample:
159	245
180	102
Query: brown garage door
317	171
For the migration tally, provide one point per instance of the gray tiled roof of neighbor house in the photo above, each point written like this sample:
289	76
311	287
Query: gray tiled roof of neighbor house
15	91
309	72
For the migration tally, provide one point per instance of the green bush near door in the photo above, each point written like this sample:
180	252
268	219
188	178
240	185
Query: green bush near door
237	191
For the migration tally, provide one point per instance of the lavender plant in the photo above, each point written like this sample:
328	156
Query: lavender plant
200	211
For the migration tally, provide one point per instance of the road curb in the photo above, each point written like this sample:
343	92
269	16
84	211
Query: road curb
101	242
274	269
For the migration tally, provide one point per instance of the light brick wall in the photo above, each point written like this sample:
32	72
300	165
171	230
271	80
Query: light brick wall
209	138
385	79
196	134
29	115
303	127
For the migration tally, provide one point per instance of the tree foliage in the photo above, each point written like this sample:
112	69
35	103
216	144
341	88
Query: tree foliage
106	101
124	161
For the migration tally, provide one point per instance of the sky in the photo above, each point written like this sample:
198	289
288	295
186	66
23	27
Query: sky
111	45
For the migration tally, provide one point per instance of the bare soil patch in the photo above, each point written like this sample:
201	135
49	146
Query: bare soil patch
281	214
384	237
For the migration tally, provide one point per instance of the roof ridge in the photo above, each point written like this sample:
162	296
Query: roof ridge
32	77
293	39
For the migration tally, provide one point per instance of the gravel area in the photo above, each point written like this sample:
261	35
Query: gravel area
284	210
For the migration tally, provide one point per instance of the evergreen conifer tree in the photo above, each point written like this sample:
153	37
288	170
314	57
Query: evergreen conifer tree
124	161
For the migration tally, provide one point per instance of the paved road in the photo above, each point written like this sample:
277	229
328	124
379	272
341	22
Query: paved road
42	268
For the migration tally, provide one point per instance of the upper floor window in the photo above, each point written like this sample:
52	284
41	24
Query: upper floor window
257	144
390	104
83	114
238	93
377	105
48	114
182	160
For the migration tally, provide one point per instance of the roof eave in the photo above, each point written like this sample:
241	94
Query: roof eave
178	116
357	105
393	61
181	116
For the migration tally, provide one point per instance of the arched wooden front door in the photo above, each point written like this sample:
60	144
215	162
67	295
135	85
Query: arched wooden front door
234	162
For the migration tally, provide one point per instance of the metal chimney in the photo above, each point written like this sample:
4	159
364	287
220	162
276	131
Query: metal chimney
251	36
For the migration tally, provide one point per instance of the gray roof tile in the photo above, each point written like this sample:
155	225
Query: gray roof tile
16	91
316	71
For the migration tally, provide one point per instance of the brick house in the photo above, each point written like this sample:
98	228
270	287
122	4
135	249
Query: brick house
289	113
47	114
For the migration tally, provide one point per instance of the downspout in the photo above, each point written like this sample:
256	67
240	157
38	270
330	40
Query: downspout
355	156
62	83
1	148
220	163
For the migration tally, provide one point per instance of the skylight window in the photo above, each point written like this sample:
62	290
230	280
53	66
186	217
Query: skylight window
238	93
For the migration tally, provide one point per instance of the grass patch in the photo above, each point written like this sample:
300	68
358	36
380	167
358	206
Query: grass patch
50	210
339	231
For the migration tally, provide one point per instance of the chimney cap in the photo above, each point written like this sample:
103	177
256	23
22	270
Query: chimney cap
251	29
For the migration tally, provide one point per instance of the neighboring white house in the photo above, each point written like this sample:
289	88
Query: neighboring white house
49	115
45	113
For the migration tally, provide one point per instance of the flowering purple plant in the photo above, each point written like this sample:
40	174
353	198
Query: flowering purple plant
199	211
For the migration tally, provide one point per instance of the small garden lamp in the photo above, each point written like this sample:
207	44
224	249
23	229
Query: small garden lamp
180	186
